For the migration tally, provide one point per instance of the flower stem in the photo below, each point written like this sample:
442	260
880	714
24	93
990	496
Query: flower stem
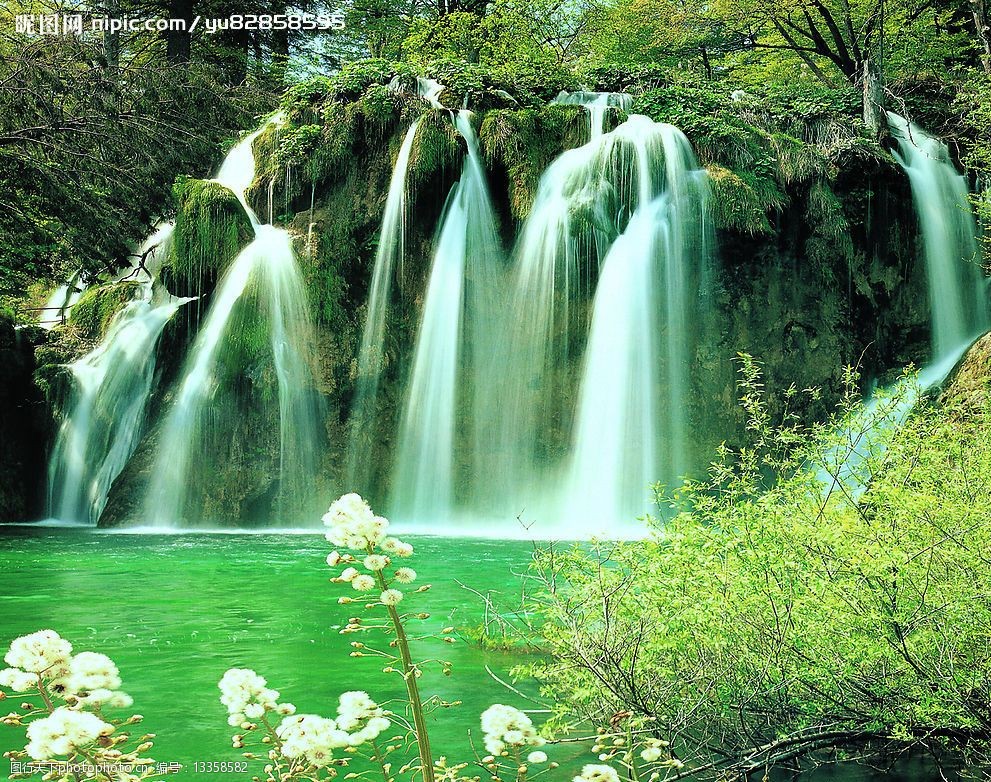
412	689
44	695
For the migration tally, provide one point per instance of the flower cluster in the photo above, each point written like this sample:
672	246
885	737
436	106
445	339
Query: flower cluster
361	717
94	679
63	732
45	659
63	698
311	737
307	738
504	726
597	773
247	696
653	750
43	652
353	525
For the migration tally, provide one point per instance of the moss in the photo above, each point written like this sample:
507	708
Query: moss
524	142
796	161
830	237
301	102
379	108
436	148
742	201
94	312
211	229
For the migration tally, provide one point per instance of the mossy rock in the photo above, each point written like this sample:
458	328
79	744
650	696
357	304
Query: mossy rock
524	142
95	311
742	202
437	147
211	229
967	391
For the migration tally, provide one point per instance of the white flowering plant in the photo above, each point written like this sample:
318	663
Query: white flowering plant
62	703
65	696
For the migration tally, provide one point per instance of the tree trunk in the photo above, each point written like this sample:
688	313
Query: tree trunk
874	114
982	25
178	42
111	40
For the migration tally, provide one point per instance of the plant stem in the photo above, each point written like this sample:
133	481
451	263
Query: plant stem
44	695
412	689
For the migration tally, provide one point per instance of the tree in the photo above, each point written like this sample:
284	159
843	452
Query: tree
89	149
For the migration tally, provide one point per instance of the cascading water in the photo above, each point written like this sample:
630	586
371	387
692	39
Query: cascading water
597	104
546	462
454	331
958	302
108	404
264	275
60	303
631	421
957	288
388	256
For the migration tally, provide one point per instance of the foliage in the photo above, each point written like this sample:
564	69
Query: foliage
97	307
89	150
974	104
790	606
63	702
525	141
737	203
211	229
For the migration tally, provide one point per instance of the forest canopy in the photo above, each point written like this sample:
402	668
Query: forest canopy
95	126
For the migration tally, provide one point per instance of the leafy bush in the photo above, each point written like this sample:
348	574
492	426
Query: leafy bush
795	605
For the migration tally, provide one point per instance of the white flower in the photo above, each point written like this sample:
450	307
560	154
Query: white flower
651	754
375	562
312	737
537	757
244	692
361	717
62	732
363	583
348	574
504	725
17	680
39	652
397	548
92	671
597	773
405	575
352	523
391	597
333	558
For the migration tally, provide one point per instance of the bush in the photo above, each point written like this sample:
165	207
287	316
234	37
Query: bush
791	607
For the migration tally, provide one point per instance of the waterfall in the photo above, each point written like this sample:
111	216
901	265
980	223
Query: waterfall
262	286
60	303
958	304
454	333
597	104
631	427
547	445
957	287
106	412
388	256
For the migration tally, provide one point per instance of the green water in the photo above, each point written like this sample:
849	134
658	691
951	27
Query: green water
176	611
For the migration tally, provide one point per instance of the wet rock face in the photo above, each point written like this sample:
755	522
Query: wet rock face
24	425
826	275
967	388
